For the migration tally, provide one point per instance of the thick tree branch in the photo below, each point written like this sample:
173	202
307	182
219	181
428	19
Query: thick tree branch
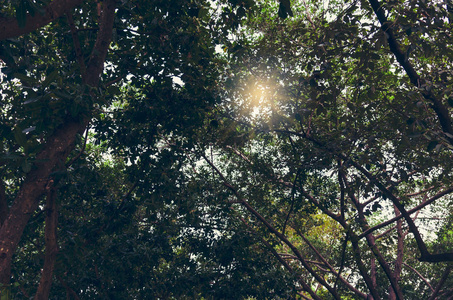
3	203
437	105
273	230
411	211
9	27
441	283
53	153
305	286
371	240
97	58
51	245
424	253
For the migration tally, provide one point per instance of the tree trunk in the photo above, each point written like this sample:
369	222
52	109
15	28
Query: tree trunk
51	245
27	200
54	152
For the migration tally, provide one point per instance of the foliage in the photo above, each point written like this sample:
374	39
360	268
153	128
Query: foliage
323	119
237	149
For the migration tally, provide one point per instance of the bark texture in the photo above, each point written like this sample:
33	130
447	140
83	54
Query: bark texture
51	245
60	144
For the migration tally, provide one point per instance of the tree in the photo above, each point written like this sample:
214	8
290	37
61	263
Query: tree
174	149
341	120
64	64
99	100
38	160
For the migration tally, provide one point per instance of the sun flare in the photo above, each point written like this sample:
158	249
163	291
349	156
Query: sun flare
259	97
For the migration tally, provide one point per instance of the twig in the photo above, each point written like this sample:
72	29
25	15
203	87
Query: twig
77	47
81	150
441	283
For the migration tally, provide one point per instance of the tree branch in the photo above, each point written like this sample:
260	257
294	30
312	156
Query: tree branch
410	212
53	154
371	240
370	282
69	290
305	286
419	275
51	244
3	203
399	251
337	274
77	47
101	46
437	105
425	255
441	283
273	230
9	27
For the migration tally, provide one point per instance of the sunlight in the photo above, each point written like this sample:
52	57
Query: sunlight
259	98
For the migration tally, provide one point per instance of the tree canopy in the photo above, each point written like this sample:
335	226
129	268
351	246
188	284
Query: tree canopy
226	149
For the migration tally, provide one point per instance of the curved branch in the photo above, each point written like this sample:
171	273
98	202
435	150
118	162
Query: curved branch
9	27
272	229
371	240
441	283
419	275
439	108
53	154
411	211
305	286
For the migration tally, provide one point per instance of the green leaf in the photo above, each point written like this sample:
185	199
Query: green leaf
113	90
50	78
26	166
20	137
432	145
450	101
241	12
25	79
21	13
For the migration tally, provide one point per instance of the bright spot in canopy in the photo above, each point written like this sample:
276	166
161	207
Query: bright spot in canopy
259	96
